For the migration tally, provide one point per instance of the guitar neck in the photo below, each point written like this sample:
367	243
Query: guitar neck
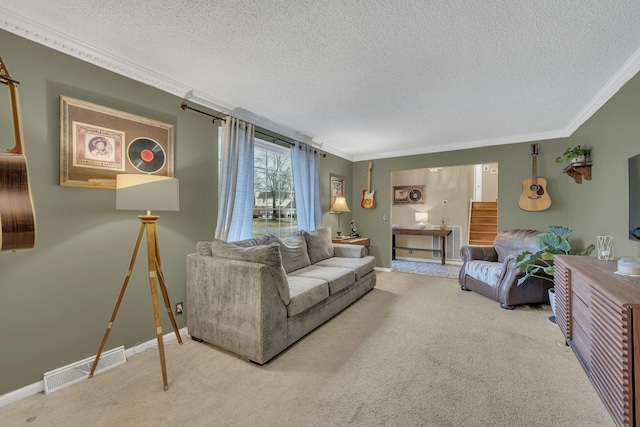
369	180
17	122
534	178
15	108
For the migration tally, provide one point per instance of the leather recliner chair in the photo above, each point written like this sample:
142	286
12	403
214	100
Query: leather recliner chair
491	270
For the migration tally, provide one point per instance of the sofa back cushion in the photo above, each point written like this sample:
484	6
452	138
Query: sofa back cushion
204	248
293	250
319	244
513	242
268	255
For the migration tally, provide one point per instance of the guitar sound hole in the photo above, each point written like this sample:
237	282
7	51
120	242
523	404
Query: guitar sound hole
538	189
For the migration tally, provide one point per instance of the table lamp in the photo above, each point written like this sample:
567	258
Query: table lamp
421	218
339	206
146	193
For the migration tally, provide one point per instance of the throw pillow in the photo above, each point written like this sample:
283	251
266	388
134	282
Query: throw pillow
204	248
263	254
268	255
254	241
319	244
293	250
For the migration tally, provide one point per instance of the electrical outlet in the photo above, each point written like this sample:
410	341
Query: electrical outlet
179	308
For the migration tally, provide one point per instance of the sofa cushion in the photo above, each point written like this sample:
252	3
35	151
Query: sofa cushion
293	250
268	255
337	278
305	293
204	248
484	271
265	239
360	266
319	244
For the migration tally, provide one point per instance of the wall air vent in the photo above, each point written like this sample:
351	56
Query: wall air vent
78	371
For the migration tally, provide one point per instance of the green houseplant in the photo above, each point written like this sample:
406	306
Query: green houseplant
553	242
574	155
540	264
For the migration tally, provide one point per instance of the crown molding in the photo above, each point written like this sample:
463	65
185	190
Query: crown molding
542	136
53	39
629	69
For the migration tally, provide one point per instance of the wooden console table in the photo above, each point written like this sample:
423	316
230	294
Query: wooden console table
414	232
598	312
364	241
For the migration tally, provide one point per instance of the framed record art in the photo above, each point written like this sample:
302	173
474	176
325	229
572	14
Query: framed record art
97	143
408	194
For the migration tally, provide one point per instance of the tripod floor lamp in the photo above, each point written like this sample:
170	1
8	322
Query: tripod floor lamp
146	193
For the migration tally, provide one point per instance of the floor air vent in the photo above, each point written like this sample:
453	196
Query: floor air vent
453	243
70	374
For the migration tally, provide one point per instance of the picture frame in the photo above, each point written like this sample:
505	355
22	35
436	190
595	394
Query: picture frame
97	143
336	189
409	195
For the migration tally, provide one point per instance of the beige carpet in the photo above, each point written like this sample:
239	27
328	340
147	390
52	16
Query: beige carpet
415	351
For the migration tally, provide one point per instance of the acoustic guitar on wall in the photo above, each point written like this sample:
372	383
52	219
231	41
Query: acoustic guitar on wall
17	219
368	202
534	195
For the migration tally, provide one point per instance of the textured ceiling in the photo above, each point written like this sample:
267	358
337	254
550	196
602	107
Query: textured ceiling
363	79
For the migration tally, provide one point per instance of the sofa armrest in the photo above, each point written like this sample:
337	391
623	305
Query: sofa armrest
236	305
478	253
348	251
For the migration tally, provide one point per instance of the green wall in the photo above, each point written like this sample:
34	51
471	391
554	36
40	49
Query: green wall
58	297
514	163
600	206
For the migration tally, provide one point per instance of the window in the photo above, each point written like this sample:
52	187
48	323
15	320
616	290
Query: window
274	206
274	209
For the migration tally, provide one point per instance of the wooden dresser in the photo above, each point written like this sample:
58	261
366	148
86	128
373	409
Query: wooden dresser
598	312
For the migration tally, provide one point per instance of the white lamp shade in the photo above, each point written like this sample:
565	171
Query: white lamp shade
340	205
147	193
422	216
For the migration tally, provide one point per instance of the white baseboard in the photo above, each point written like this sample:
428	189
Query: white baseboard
432	261
38	387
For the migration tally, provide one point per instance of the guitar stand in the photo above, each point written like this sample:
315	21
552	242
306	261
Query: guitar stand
155	272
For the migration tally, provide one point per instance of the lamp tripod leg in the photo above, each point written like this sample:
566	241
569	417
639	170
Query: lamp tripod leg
151	262
163	289
120	297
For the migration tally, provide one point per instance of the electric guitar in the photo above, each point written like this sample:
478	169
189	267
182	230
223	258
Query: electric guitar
367	195
534	195
17	219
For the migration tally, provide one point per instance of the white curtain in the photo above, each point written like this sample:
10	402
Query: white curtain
235	189
306	181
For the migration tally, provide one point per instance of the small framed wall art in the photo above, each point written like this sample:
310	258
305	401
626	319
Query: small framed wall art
337	190
408	194
97	143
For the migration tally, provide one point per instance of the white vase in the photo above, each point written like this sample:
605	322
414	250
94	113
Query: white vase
578	159
552	301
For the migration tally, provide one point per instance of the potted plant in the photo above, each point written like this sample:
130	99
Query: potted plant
540	264
577	154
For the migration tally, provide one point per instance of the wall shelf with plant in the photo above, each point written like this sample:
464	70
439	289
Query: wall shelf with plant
579	162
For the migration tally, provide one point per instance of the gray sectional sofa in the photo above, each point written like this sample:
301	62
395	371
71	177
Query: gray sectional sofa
258	296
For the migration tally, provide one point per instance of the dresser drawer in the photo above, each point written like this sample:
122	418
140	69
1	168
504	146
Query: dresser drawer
580	312
581	345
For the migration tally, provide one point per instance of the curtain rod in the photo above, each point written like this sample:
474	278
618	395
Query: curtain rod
186	106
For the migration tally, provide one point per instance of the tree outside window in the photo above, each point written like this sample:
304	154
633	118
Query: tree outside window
274	209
